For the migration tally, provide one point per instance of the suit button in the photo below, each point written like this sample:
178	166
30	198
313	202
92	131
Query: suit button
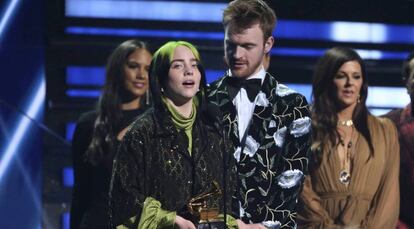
189	182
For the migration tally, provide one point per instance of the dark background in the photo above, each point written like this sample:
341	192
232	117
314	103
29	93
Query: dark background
35	190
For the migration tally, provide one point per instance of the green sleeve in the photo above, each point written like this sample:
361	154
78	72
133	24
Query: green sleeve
153	216
230	221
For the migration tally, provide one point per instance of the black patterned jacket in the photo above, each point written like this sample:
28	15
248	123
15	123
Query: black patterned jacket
153	160
274	161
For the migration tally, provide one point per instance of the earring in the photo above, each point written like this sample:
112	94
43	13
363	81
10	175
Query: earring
162	90
147	98
359	99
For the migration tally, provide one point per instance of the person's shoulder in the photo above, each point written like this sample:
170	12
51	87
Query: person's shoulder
144	121
396	111
287	94
84	126
216	88
384	134
394	115
87	118
384	122
216	83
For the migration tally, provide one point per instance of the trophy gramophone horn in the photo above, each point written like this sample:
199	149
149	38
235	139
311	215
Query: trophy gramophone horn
198	206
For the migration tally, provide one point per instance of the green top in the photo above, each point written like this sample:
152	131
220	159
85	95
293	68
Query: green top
183	123
153	216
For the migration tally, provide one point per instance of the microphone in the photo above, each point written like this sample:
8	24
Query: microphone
215	115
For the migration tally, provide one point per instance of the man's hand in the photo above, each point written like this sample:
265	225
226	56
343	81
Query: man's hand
242	225
183	223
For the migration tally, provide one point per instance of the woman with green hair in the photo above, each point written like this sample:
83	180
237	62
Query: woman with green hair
173	152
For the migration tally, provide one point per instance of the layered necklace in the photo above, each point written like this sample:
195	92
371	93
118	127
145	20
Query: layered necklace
345	172
346	122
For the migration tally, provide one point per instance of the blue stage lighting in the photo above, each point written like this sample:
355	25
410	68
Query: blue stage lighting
68	177
146	10
85	75
379	111
70	129
325	31
65	221
86	93
94	76
304	89
387	97
130	32
298	52
383	98
312	52
35	105
10	9
213	75
337	31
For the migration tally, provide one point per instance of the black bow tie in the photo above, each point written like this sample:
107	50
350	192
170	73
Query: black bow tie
251	86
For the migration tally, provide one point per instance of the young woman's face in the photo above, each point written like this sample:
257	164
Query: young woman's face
136	72
348	83
183	76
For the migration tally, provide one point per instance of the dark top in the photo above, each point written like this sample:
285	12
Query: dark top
89	201
404	121
153	161
274	160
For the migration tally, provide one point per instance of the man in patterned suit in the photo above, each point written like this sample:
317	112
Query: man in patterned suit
268	122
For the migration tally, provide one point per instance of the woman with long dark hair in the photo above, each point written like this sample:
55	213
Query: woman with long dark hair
353	181
98	133
173	152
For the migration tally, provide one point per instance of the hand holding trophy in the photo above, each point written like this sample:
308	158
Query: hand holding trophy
202	208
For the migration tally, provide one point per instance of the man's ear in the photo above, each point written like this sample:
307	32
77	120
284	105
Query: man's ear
269	44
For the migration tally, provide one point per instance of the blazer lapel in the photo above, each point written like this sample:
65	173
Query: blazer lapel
227	107
262	113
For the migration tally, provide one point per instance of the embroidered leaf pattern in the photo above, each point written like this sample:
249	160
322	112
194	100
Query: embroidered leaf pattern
259	194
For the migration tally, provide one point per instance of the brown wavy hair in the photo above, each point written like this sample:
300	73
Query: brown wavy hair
325	106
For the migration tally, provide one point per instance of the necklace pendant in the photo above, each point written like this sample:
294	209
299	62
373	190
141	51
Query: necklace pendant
344	177
346	122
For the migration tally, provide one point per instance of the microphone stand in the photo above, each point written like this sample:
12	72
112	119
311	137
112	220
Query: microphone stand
224	175
37	123
215	115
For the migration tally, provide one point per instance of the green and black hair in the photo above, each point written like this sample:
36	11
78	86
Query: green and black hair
160	66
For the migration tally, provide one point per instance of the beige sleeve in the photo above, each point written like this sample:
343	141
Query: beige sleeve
386	203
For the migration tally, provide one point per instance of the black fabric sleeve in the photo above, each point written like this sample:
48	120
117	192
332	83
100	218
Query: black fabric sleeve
127	189
82	170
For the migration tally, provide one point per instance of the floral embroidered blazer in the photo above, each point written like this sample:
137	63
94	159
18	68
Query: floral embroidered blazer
274	160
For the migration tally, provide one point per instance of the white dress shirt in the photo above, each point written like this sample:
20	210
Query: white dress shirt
243	105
